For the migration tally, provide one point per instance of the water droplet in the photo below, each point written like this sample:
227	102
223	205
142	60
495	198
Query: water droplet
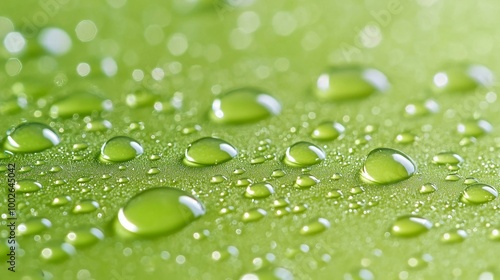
80	146
302	154
258	160
280	212
386	166
405	138
60	200
269	273
314	227
455	236
12	105
447	158
141	98
244	105
25	169
410	225
259	190
280	202
344	83
419	261
239	171
357	190
462	78
33	226
153	171
30	137
27	186
55	169
427	188
209	151
120	149
57	253
336	176
470	181
328	131
423	108
85	206
452	177
157	211
299	208
253	215
278	173
98	125
335	193
81	103
306	181
494	234
217	179
474	128
243	182
478	194
84	237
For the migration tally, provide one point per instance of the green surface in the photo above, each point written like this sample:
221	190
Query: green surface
154	69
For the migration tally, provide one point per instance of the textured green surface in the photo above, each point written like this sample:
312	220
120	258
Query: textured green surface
173	59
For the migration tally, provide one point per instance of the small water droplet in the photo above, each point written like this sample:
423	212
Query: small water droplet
57	253
410	225
278	173
405	138
447	158
98	125
315	227
244	105
80	146
190	129
427	188
478	194
243	182
30	137
81	103
299	208
239	171
217	179
453	177
61	200
120	149
84	237
302	154
141	98
462	78
209	151
335	193
422	108
33	226
470	181
455	236
27	186
25	169
306	181
253	215
85	206
328	131
386	166
259	190
419	261
153	171
344	83
474	128
336	176
357	190
494	234
157	211
280	202
258	160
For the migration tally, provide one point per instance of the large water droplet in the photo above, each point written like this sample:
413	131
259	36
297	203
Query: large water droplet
82	103
328	131
302	154
386	166
259	190
30	137
409	226
306	181
462	78
209	151
120	149
157	211
478	194
33	226
244	105
27	186
343	83
474	128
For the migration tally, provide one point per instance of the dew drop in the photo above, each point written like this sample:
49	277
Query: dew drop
253	215
335	193
60	200
447	158
98	125
427	188
410	226
494	234
217	179
351	82
422	108
81	103
259	190
315	227
33	226
157	211
30	137
84	237
57	253
405	138
209	151
470	181
462	78
27	186
455	236
299	208
141	98
328	131
478	194
120	149
303	154
153	171
306	181
243	182
244	105
85	206
280	202
278	173
474	128
386	166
